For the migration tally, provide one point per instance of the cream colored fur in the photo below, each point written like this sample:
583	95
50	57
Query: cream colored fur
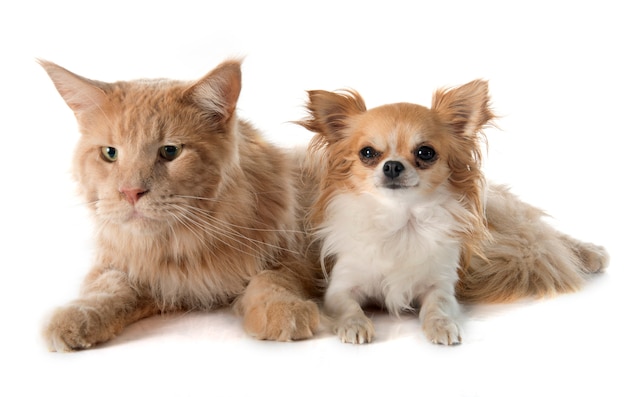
526	256
193	210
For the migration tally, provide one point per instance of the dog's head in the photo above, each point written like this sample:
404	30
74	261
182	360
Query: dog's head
402	146
402	150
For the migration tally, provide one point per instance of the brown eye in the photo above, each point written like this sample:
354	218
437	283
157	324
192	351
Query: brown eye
109	153
170	152
368	153
426	153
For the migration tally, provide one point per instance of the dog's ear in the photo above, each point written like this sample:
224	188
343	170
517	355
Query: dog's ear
464	109
329	112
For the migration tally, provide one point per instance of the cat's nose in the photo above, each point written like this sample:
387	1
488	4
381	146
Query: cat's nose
133	195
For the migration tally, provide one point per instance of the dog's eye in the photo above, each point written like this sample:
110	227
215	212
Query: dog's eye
369	153
425	153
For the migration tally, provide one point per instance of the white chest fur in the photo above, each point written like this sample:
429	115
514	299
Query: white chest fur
393	248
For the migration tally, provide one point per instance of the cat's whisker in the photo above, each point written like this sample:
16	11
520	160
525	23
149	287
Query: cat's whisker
220	236
217	200
215	231
182	220
189	225
221	199
252	219
197	197
236	237
208	214
83	203
232	228
229	231
248	218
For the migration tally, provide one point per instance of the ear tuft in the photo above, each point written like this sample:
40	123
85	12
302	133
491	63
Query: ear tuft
465	109
80	94
217	92
329	112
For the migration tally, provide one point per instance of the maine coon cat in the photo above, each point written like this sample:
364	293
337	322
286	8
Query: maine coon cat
192	210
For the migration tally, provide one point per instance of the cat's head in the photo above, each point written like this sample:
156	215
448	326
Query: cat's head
149	148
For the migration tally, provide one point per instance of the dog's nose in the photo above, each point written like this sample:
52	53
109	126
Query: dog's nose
392	169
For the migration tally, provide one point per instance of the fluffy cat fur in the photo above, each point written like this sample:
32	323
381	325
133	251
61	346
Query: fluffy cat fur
192	209
404	217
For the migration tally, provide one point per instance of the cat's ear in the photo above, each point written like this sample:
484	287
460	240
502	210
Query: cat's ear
329	112
464	109
80	94
217	92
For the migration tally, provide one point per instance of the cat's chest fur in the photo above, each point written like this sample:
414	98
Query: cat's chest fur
179	268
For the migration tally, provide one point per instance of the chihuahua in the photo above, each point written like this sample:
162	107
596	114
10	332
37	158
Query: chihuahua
403	217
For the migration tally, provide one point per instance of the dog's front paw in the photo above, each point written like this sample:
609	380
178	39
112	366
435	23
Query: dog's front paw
282	320
443	331
72	328
356	329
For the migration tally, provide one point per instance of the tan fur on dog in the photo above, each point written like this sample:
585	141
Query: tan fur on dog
438	204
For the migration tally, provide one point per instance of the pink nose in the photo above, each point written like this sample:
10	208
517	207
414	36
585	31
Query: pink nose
133	195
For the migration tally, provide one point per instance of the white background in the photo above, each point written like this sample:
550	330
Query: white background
556	72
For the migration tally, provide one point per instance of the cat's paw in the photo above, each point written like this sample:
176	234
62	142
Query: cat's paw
282	319
595	258
443	331
71	328
357	329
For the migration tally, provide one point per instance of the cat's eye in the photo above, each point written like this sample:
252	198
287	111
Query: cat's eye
170	152
109	153
425	153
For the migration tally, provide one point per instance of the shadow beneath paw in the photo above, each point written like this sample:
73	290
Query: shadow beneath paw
216	325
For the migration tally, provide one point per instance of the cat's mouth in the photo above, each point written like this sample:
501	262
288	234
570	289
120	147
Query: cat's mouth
141	215
137	217
136	214
138	223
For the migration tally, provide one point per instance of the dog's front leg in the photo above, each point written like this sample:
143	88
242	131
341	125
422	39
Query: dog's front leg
349	321
438	313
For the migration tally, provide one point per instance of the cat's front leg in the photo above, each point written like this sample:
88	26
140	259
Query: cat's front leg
349	321
275	307
106	305
438	312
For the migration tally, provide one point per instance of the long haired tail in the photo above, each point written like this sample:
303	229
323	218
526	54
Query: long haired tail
526	257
